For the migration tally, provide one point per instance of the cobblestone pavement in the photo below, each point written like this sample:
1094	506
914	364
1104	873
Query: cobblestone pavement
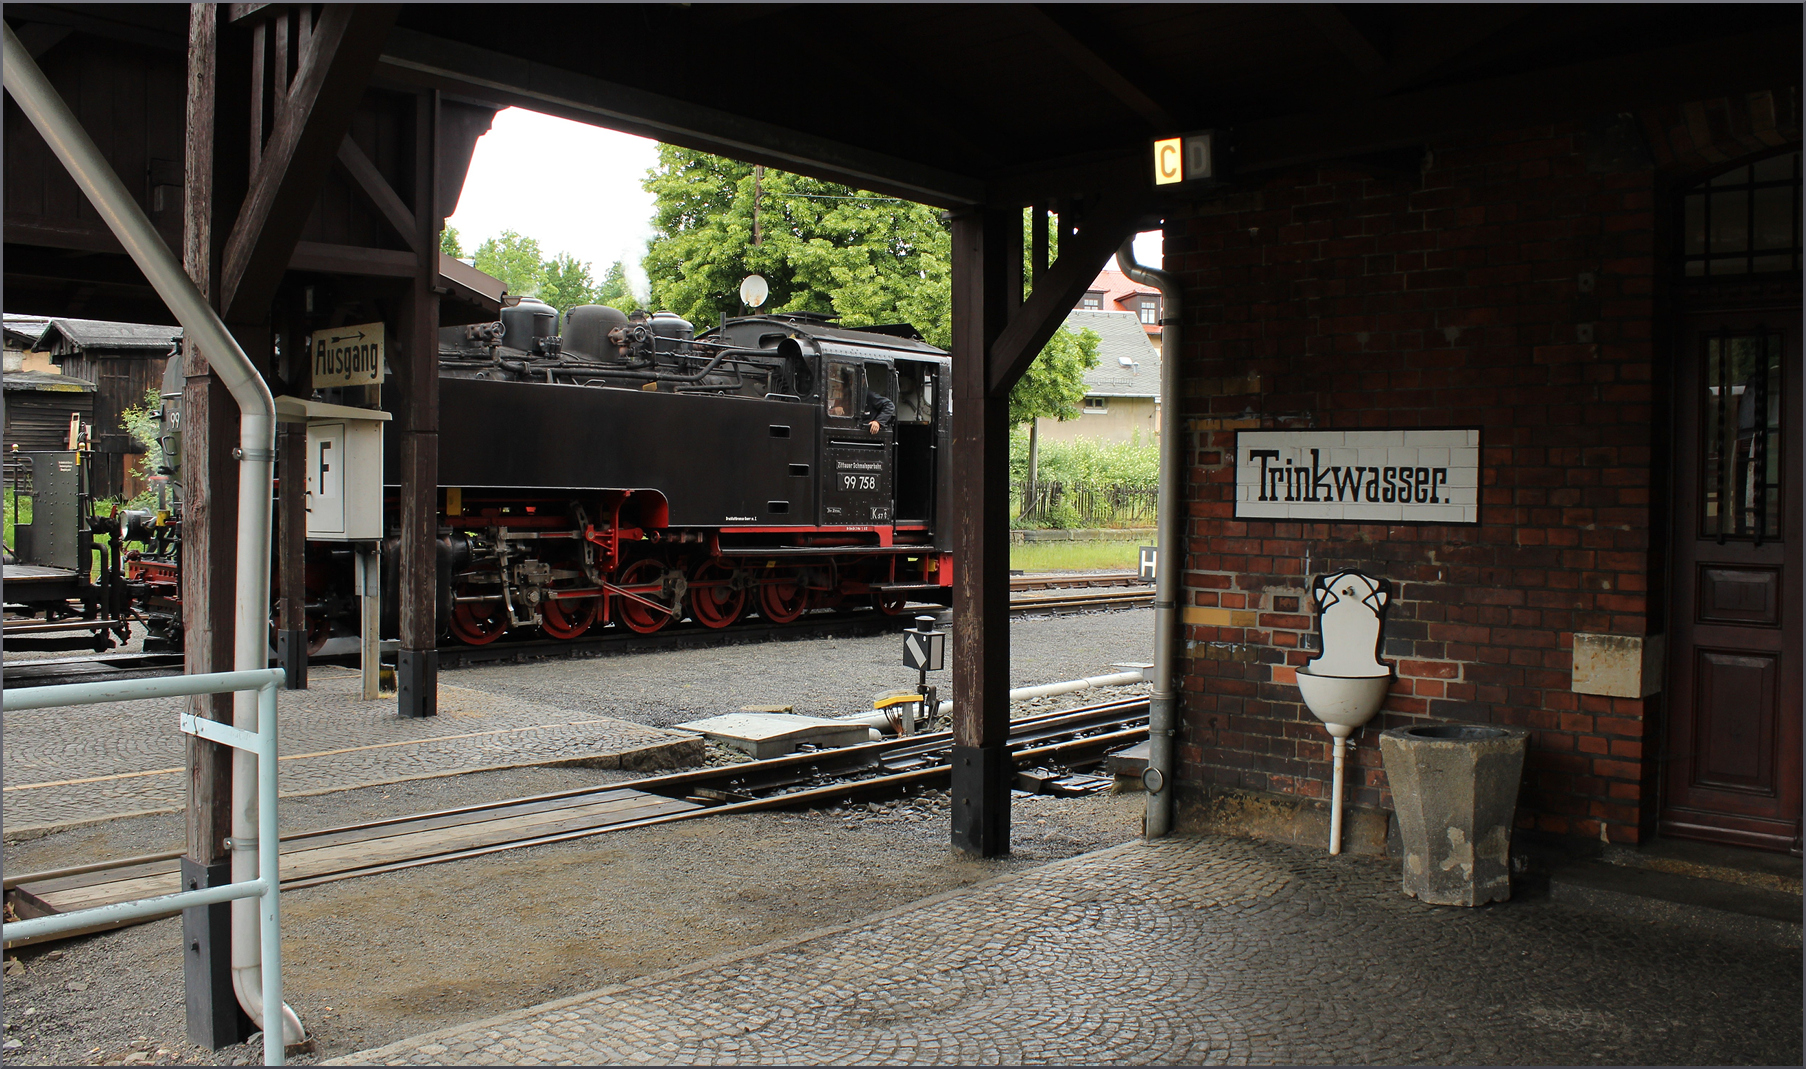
69	766
1187	951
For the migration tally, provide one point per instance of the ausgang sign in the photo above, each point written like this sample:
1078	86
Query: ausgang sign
1402	476
348	356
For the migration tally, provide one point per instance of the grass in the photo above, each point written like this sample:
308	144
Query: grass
1035	557
13	507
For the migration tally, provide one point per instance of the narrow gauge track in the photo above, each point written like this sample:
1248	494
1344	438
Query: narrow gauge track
617	642
888	768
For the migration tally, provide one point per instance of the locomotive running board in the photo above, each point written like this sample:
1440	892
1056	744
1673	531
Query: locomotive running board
821	551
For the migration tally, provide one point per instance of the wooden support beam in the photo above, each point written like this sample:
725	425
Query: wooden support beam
1081	256
1355	44
352	260
470	71
983	244
291	511
310	122
1095	67
416	666
209	489
382	196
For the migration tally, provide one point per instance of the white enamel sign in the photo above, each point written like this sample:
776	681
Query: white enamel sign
1402	476
348	356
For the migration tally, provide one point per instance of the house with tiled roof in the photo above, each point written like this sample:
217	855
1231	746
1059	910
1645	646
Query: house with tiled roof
1122	398
1113	291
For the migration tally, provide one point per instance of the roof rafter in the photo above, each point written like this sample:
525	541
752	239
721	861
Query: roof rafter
1095	67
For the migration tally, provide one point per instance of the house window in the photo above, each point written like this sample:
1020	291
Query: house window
1149	309
1746	221
1097	405
1093	300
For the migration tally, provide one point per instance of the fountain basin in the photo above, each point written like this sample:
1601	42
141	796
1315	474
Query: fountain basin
1343	703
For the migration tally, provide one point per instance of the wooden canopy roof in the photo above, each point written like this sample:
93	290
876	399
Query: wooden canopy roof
956	104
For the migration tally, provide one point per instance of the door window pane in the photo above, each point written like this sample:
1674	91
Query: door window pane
1744	221
1740	457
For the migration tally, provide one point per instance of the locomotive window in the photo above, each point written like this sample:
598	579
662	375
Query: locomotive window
844	398
878	380
915	393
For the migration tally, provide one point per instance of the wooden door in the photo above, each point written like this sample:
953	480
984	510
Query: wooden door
1733	746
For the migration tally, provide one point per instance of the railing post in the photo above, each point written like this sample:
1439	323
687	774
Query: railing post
269	861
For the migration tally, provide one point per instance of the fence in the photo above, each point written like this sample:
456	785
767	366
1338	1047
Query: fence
1058	504
262	743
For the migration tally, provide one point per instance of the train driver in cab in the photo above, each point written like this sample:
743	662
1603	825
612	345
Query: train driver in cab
880	411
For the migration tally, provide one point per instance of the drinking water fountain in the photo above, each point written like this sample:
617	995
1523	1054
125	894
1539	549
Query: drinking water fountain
1345	685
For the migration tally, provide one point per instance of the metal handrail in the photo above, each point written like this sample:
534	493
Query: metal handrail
265	887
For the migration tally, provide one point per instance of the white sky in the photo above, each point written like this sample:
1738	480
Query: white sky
576	188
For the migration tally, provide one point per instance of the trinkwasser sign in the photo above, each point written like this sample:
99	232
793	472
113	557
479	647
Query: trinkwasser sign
1402	476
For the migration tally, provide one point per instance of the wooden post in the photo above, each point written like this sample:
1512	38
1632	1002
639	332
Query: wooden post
291	525
987	253
417	662
207	554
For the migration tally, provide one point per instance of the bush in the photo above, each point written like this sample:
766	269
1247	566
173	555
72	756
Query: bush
1083	461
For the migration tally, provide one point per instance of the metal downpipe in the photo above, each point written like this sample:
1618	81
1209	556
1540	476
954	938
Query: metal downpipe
1169	538
256	449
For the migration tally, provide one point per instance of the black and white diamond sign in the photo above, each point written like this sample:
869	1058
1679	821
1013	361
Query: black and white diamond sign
924	651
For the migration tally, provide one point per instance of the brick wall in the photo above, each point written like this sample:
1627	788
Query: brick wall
1504	287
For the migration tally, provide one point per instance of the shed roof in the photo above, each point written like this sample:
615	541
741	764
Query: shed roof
62	337
1120	338
23	331
46	382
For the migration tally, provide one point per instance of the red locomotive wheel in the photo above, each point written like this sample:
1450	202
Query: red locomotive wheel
890	604
479	623
783	600
637	615
568	618
714	600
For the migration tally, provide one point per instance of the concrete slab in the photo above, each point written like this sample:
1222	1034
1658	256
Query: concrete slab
775	734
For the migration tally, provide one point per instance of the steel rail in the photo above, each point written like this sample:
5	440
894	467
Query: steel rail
1084	733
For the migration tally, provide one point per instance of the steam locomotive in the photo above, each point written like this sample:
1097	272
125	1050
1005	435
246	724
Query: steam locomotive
624	470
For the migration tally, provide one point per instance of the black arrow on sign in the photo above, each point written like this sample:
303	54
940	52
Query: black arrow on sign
359	335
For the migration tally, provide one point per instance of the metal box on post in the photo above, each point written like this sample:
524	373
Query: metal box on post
344	468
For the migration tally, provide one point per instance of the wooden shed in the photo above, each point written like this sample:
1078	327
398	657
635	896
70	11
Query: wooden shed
38	408
123	361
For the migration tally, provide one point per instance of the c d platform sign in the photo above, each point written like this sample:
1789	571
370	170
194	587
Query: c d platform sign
1189	158
348	356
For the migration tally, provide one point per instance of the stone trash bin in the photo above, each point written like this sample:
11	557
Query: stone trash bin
1454	789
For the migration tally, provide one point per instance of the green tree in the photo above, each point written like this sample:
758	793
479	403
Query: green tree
1054	386
448	243
565	283
825	248
821	246
614	291
514	259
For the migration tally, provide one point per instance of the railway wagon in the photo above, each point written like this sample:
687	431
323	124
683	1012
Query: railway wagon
623	471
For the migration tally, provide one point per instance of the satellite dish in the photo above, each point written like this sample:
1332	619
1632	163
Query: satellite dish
753	290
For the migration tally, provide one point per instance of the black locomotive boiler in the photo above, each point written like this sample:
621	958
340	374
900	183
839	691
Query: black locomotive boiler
623	470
